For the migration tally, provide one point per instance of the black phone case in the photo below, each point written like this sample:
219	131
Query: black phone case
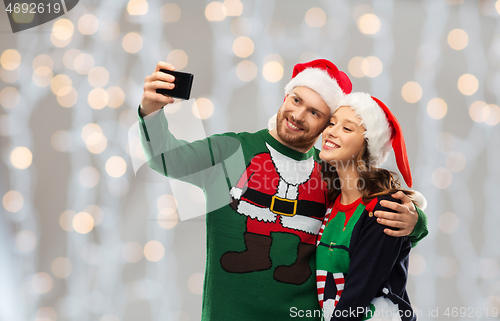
183	82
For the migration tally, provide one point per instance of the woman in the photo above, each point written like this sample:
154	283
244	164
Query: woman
361	271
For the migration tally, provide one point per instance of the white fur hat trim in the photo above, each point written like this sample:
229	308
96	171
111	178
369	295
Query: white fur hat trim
378	130
319	81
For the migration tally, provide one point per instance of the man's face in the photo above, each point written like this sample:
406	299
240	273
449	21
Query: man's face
302	117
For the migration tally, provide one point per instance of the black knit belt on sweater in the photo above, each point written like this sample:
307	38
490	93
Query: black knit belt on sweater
285	206
332	246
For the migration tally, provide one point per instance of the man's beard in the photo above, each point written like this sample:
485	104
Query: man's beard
300	140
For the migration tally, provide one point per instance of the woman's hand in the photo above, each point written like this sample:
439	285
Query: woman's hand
405	219
152	101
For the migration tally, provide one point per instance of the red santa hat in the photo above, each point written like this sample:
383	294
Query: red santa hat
382	133
323	77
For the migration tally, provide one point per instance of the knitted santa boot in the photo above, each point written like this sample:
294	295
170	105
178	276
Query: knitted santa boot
300	271
254	258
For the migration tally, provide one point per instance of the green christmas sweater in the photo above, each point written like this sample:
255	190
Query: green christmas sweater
361	271
265	205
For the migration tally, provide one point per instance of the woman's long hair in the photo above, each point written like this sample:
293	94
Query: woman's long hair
373	181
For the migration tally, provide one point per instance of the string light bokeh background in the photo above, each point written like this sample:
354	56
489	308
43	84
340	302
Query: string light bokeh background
83	239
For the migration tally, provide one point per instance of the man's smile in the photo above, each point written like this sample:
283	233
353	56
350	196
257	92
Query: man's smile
292	126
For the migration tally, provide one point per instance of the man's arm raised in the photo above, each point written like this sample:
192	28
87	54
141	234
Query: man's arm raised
202	162
163	151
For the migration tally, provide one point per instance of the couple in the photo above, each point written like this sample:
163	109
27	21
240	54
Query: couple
261	247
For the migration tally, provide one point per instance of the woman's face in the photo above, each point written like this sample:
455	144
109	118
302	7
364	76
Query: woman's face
343	138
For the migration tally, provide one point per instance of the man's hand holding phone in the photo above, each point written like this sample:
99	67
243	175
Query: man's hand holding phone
164	84
151	100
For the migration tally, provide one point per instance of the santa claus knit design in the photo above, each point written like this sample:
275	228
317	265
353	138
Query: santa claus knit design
268	178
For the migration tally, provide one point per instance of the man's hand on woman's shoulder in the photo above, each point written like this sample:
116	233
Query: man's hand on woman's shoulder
405	219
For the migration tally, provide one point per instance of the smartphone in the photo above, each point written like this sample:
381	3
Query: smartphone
183	82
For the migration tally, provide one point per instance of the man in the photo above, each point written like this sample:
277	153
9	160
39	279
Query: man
260	246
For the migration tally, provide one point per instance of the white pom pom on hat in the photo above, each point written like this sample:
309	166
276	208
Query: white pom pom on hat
419	198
